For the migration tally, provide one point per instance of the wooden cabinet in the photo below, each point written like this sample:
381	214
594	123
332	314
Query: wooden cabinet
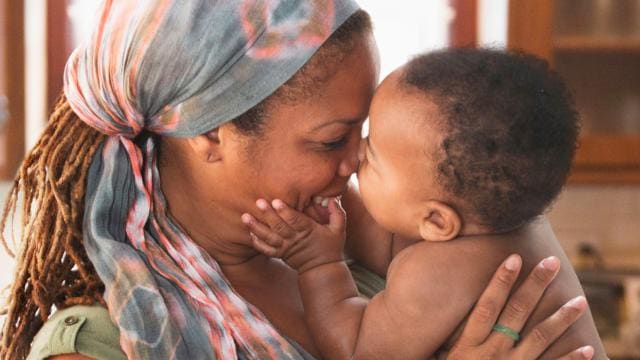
595	46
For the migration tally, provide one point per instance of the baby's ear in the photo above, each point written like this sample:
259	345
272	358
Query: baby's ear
440	222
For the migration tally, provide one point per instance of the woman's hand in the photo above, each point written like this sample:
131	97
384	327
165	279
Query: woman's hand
479	341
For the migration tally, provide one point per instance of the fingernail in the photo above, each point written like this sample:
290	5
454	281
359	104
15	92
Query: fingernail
512	263
262	204
246	218
551	263
579	303
587	352
277	204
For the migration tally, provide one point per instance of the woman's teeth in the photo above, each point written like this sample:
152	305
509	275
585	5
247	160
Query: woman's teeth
324	202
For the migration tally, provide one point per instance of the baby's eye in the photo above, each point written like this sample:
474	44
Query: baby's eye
336	144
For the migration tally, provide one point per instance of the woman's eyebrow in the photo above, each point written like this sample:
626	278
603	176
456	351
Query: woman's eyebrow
346	122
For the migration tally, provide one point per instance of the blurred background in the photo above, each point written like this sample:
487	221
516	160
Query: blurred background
594	44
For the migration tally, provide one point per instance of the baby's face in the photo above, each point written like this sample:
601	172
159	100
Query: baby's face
398	164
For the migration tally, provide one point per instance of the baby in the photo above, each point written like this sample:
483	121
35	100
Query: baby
466	149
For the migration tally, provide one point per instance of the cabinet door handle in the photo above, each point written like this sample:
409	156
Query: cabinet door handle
4	111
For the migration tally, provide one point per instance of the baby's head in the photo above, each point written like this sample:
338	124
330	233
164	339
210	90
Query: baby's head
467	141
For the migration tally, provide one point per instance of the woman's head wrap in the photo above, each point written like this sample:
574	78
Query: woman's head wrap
178	68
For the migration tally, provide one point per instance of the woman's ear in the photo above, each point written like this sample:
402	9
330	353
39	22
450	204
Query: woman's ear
207	146
440	222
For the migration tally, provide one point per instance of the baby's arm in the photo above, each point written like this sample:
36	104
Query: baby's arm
333	309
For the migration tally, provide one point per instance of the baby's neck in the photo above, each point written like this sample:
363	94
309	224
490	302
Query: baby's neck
474	229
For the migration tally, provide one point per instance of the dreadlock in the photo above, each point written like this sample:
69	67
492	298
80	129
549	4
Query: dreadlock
52	268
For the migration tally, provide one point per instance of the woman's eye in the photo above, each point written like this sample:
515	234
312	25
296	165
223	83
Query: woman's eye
337	144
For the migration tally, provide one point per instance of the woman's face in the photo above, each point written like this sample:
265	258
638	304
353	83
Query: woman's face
309	149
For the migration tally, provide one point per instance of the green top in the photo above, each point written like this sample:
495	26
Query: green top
81	329
88	330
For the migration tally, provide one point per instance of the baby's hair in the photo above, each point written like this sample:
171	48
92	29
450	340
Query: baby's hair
52	266
510	129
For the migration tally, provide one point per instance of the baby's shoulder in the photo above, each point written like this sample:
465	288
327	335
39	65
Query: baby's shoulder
434	267
429	281
455	256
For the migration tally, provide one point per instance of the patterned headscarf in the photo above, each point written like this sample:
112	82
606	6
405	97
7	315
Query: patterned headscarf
178	68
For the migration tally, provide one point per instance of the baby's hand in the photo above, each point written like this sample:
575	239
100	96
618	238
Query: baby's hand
296	238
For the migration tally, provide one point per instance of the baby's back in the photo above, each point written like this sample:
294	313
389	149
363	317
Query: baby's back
480	256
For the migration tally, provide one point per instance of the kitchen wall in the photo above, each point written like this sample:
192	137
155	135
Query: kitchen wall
607	217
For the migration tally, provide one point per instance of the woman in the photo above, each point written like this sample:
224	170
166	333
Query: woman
225	102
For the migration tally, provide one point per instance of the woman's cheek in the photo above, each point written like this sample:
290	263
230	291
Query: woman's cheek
328	168
319	178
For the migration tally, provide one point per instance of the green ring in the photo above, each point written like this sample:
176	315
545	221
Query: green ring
507	331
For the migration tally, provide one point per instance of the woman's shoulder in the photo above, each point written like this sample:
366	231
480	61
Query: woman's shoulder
81	329
89	330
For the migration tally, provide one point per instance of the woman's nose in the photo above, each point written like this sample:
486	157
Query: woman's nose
349	164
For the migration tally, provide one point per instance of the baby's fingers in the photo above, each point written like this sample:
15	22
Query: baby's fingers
336	215
263	247
262	231
271	218
295	219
